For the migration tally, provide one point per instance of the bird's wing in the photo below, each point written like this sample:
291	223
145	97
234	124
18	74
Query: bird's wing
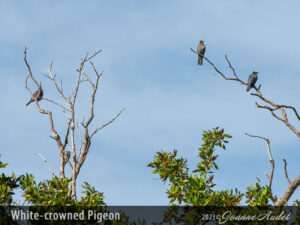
203	50
36	94
255	78
199	49
249	78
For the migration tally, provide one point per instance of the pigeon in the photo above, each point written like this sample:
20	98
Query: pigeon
201	51
38	95
67	157
252	80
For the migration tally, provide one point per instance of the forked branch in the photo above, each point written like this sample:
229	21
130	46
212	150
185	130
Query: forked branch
72	124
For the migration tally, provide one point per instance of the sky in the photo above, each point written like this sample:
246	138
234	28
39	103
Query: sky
150	70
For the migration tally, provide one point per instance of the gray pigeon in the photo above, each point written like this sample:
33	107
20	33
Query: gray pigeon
252	80
38	95
67	157
201	51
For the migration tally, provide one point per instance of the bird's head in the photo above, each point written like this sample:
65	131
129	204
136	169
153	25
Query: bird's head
68	153
255	72
201	41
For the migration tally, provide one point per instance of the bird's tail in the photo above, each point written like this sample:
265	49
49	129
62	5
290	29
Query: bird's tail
248	88
29	102
200	60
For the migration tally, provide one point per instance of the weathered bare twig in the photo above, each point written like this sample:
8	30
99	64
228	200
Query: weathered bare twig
47	164
52	78
219	72
270	177
64	108
109	122
231	67
92	56
29	69
285	172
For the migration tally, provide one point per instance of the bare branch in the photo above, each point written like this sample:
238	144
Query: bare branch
218	71
109	122
52	137
29	69
47	164
88	79
95	70
285	172
67	135
47	76
80	138
70	164
52	78
231	67
75	171
292	108
96	53
270	157
265	99
85	137
61	86
64	108
49	113
255	136
289	192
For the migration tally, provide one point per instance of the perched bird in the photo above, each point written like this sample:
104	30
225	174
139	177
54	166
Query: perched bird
38	95
201	51
252	80
67	157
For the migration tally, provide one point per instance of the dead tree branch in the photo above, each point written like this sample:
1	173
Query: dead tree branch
259	94
47	164
85	125
272	107
270	177
49	100
289	191
80	139
106	124
72	124
285	171
49	113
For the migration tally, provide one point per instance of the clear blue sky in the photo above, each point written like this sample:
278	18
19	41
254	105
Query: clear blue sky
150	70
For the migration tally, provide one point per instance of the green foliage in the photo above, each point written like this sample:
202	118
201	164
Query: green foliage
197	188
296	203
258	195
7	186
92	197
55	193
46	193
52	192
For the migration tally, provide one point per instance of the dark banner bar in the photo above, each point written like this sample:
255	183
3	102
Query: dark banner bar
133	215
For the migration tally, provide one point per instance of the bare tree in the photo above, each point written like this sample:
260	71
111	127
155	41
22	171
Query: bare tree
272	107
80	152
